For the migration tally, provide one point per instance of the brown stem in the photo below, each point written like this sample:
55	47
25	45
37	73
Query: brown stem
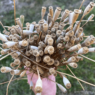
75	76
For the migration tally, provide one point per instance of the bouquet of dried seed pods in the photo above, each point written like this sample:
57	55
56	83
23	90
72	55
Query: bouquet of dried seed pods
44	46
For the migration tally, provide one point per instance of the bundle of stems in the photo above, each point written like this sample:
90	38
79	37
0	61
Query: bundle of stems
44	46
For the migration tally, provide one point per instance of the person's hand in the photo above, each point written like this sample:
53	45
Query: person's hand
48	87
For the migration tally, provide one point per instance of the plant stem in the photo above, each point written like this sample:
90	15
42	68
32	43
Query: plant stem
75	76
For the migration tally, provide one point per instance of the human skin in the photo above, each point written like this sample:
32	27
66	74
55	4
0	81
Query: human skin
48	87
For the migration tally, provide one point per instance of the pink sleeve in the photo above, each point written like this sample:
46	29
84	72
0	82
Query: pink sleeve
48	87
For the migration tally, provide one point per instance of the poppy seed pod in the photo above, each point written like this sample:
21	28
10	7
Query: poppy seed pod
51	11
36	53
27	53
15	72
40	70
56	27
35	37
66	20
23	43
31	40
43	36
50	49
62	51
73	64
91	49
68	45
80	58
41	22
45	27
43	12
34	67
53	30
76	26
60	27
71	59
82	34
51	62
75	48
33	47
56	13
13	31
72	40
5	69
46	59
70	33
80	39
66	38
62	24
78	32
23	73
34	23
58	33
8	44
49	18
37	27
56	63
27	63
15	55
53	35
46	50
46	38
42	44
65	14
27	32
24	60
66	82
63	89
18	22
41	52
12	65
89	8
16	61
90	17
40	48
31	51
14	39
38	86
18	29
4	51
77	59
38	59
31	28
10	37
3	38
83	50
69	28
92	40
50	41
22	19
52	71
7	36
87	39
60	46
73	16
27	24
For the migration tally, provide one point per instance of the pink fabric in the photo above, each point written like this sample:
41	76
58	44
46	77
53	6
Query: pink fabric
48	87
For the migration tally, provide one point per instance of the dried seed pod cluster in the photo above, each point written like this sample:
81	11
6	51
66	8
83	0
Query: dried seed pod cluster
48	44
